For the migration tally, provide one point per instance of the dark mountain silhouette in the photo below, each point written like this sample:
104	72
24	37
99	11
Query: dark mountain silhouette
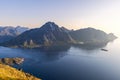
9	32
50	34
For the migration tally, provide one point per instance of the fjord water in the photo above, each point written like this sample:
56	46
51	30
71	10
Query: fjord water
71	63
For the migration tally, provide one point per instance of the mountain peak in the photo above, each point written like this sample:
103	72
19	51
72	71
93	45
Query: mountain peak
50	26
49	22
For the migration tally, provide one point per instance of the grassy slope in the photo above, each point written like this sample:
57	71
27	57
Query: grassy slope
9	73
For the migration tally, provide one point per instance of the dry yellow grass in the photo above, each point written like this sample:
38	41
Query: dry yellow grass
9	73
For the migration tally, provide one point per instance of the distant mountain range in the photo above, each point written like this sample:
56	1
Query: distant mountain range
50	34
8	32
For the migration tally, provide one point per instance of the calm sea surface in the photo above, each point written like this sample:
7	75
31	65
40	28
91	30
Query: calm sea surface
71	63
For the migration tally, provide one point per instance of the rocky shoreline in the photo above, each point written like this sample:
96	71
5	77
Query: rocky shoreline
11	61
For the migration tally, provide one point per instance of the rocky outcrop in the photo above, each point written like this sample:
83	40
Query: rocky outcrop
11	61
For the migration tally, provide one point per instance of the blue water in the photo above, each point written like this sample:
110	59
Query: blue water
70	64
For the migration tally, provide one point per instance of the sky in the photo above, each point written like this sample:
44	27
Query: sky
72	14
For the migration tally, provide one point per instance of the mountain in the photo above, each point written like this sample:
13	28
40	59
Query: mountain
9	32
47	35
50	34
20	29
92	36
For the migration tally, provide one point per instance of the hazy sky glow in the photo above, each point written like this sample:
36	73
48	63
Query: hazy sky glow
73	14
